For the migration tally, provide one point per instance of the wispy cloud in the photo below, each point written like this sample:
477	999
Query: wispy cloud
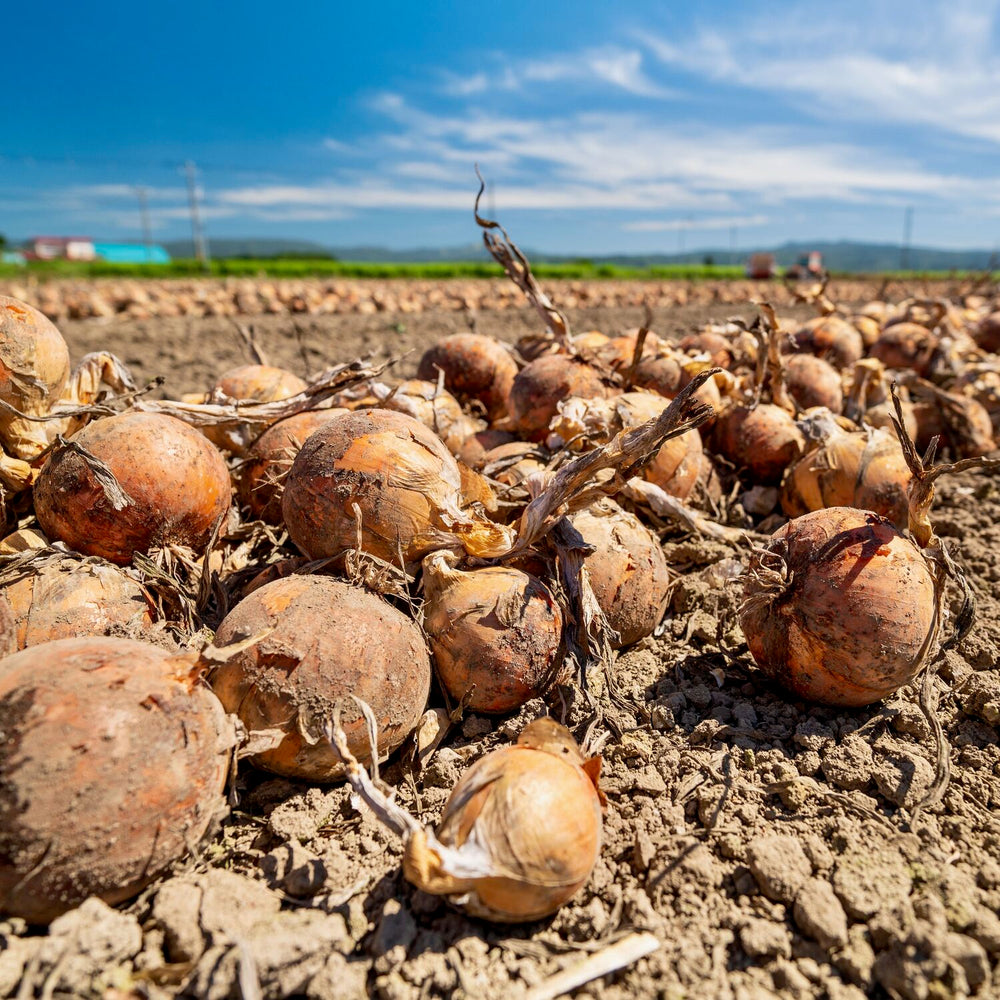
935	65
674	225
619	67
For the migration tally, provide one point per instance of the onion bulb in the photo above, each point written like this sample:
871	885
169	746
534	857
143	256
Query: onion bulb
987	333
475	446
388	478
115	760
63	598
859	469
627	570
262	474
475	368
510	464
34	372
541	385
762	439
495	634
435	408
176	487
257	383
906	345
520	833
811	381
839	607
326	640
830	338
668	374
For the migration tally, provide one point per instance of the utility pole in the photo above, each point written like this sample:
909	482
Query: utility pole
147	229
904	253
197	233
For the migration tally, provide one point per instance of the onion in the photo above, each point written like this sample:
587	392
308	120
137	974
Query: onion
839	607
520	833
328	641
475	368
260	383
862	470
962	423
542	384
62	598
718	347
906	345
114	763
762	439
386	476
495	634
982	383
435	408
811	381
34	372
475	446
987	333
262	474
627	570
512	463
667	375
175	482
869	328
830	338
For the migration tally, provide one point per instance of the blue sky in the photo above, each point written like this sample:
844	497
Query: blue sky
602	127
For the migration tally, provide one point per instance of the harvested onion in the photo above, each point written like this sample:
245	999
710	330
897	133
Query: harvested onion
830	338
543	384
627	570
762	439
325	640
176	487
387	478
475	367
839	607
495	634
115	759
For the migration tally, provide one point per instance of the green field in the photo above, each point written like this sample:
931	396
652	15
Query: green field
304	268
319	268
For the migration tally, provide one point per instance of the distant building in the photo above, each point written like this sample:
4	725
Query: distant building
84	248
132	253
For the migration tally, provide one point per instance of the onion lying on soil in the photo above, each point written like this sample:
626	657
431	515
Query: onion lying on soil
176	487
386	476
495	634
811	381
542	384
260	383
435	408
113	765
839	607
762	440
475	368
68	598
830	338
262	474
905	345
328	640
627	570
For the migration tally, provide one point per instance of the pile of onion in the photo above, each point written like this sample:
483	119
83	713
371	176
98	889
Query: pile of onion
115	759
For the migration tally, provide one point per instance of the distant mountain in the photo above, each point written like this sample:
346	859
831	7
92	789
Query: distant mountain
841	255
261	247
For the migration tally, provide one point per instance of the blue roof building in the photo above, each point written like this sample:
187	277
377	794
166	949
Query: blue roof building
132	253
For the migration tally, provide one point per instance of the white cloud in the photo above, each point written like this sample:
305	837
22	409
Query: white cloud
673	225
934	64
621	68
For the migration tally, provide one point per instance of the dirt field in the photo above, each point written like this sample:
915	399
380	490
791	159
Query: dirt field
769	844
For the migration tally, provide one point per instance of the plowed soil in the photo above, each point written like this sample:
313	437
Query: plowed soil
772	846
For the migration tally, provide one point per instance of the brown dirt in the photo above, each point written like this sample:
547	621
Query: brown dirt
769	844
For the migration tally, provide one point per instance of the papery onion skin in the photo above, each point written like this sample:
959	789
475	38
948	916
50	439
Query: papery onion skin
267	461
436	409
495	634
666	377
536	810
905	345
330	640
763	440
627	570
542	384
113	765
855	617
177	480
677	466
475	367
70	598
718	347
